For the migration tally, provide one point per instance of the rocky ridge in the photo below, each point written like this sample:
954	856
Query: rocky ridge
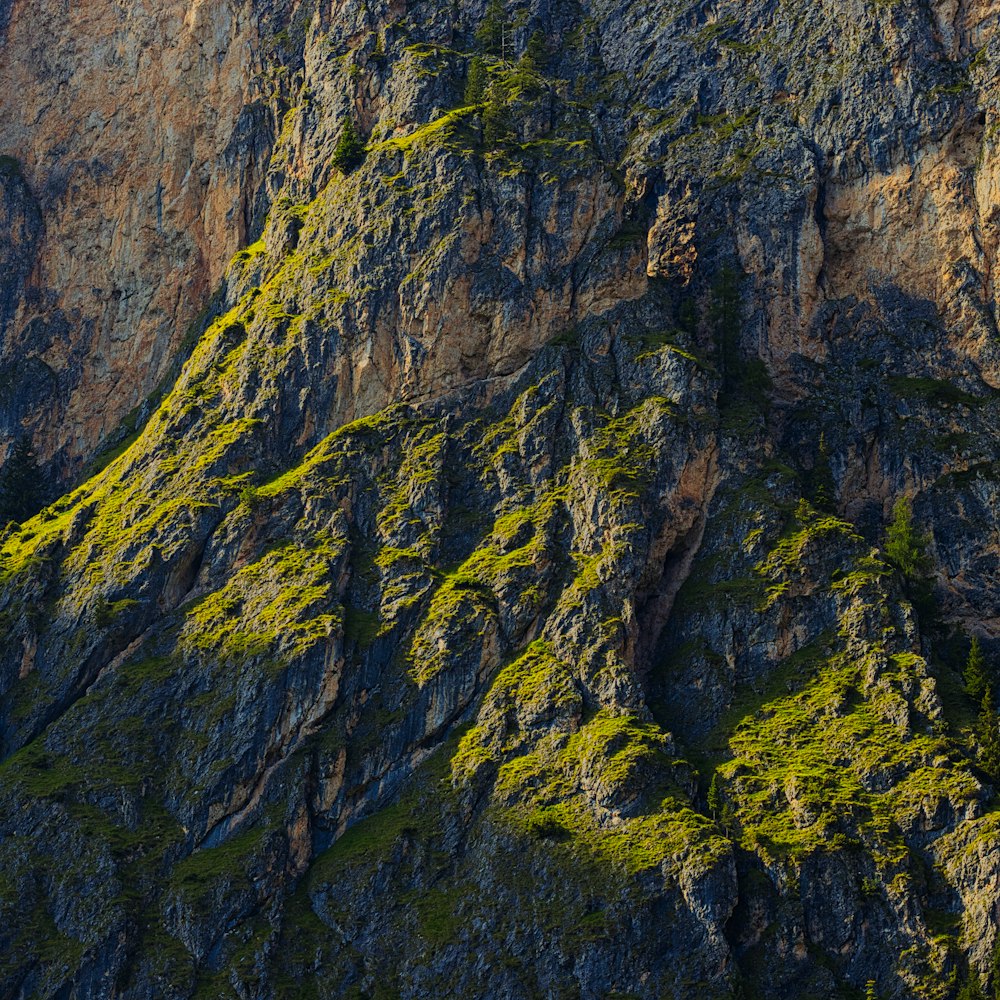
498	602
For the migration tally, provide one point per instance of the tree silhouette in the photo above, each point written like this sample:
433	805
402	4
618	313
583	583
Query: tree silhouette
349	152
988	734
491	33
824	487
22	484
475	84
976	673
905	547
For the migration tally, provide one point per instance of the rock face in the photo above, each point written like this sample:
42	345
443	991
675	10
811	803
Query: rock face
140	137
496	598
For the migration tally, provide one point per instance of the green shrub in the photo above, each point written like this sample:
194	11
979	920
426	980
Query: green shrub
546	824
107	613
971	988
251	498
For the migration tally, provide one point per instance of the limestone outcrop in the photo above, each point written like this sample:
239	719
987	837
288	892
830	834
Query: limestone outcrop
549	566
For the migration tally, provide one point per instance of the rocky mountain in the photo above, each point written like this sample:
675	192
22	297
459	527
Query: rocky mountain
522	499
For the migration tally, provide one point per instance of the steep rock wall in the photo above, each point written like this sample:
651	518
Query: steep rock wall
497	604
141	132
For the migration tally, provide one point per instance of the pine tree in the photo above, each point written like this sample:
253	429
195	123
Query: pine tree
971	990
498	123
977	678
995	969
687	316
350	150
988	734
475	84
905	547
536	55
490	34
725	316
714	797
22	484
824	487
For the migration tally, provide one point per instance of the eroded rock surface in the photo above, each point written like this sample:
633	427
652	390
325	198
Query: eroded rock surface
497	603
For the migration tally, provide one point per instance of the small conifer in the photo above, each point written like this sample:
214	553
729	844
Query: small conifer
988	734
498	124
22	484
905	547
349	153
490	34
976	675
536	55
476	82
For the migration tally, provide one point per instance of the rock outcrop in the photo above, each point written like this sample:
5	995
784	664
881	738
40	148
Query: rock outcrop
496	597
141	137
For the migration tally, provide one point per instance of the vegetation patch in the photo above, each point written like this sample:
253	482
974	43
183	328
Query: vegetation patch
280	606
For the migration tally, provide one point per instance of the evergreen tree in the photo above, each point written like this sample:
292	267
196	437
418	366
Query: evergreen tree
491	33
22	485
714	797
350	150
536	55
995	970
824	488
725	315
905	547
971	990
906	550
687	316
498	124
976	674
475	84
988	734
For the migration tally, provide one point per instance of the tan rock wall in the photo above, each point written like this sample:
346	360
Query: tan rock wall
123	118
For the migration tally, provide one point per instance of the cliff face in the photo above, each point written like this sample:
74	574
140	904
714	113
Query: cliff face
498	602
137	137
